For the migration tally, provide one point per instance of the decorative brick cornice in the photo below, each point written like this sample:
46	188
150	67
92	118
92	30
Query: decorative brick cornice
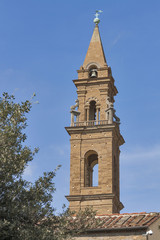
90	197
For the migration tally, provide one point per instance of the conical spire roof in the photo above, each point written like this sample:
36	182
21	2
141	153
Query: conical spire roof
95	53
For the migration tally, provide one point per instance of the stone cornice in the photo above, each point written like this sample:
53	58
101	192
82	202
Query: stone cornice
86	81
118	135
87	129
97	128
90	197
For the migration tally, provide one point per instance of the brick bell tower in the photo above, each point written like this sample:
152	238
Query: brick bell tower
95	135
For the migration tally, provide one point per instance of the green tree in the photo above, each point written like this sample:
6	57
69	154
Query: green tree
26	210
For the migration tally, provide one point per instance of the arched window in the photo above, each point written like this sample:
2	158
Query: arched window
91	169
92	110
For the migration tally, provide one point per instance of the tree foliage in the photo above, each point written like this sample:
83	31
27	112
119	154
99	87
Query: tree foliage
26	210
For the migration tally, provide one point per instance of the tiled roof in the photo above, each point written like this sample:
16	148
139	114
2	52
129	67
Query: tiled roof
127	220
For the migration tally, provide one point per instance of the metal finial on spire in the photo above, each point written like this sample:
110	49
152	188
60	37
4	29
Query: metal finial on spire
96	19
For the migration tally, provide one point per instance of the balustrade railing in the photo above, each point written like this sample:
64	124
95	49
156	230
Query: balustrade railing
90	123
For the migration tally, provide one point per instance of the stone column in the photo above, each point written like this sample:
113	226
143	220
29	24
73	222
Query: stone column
97	115
106	115
72	118
110	120
77	118
87	114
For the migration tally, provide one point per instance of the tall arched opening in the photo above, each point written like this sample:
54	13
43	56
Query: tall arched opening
92	110
91	169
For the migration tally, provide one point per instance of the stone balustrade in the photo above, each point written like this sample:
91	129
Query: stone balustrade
90	123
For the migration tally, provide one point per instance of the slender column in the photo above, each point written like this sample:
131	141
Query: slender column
72	119
77	119
110	120
106	115
91	178
97	115
87	114
85	119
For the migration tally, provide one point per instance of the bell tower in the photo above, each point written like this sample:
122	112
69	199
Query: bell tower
95	135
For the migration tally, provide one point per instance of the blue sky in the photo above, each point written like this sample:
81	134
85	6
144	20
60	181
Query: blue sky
43	43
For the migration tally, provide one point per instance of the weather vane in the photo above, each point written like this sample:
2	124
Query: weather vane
96	19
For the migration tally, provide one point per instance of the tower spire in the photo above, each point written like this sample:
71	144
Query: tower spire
95	51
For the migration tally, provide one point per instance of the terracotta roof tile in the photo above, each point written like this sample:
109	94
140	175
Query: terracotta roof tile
127	220
122	221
